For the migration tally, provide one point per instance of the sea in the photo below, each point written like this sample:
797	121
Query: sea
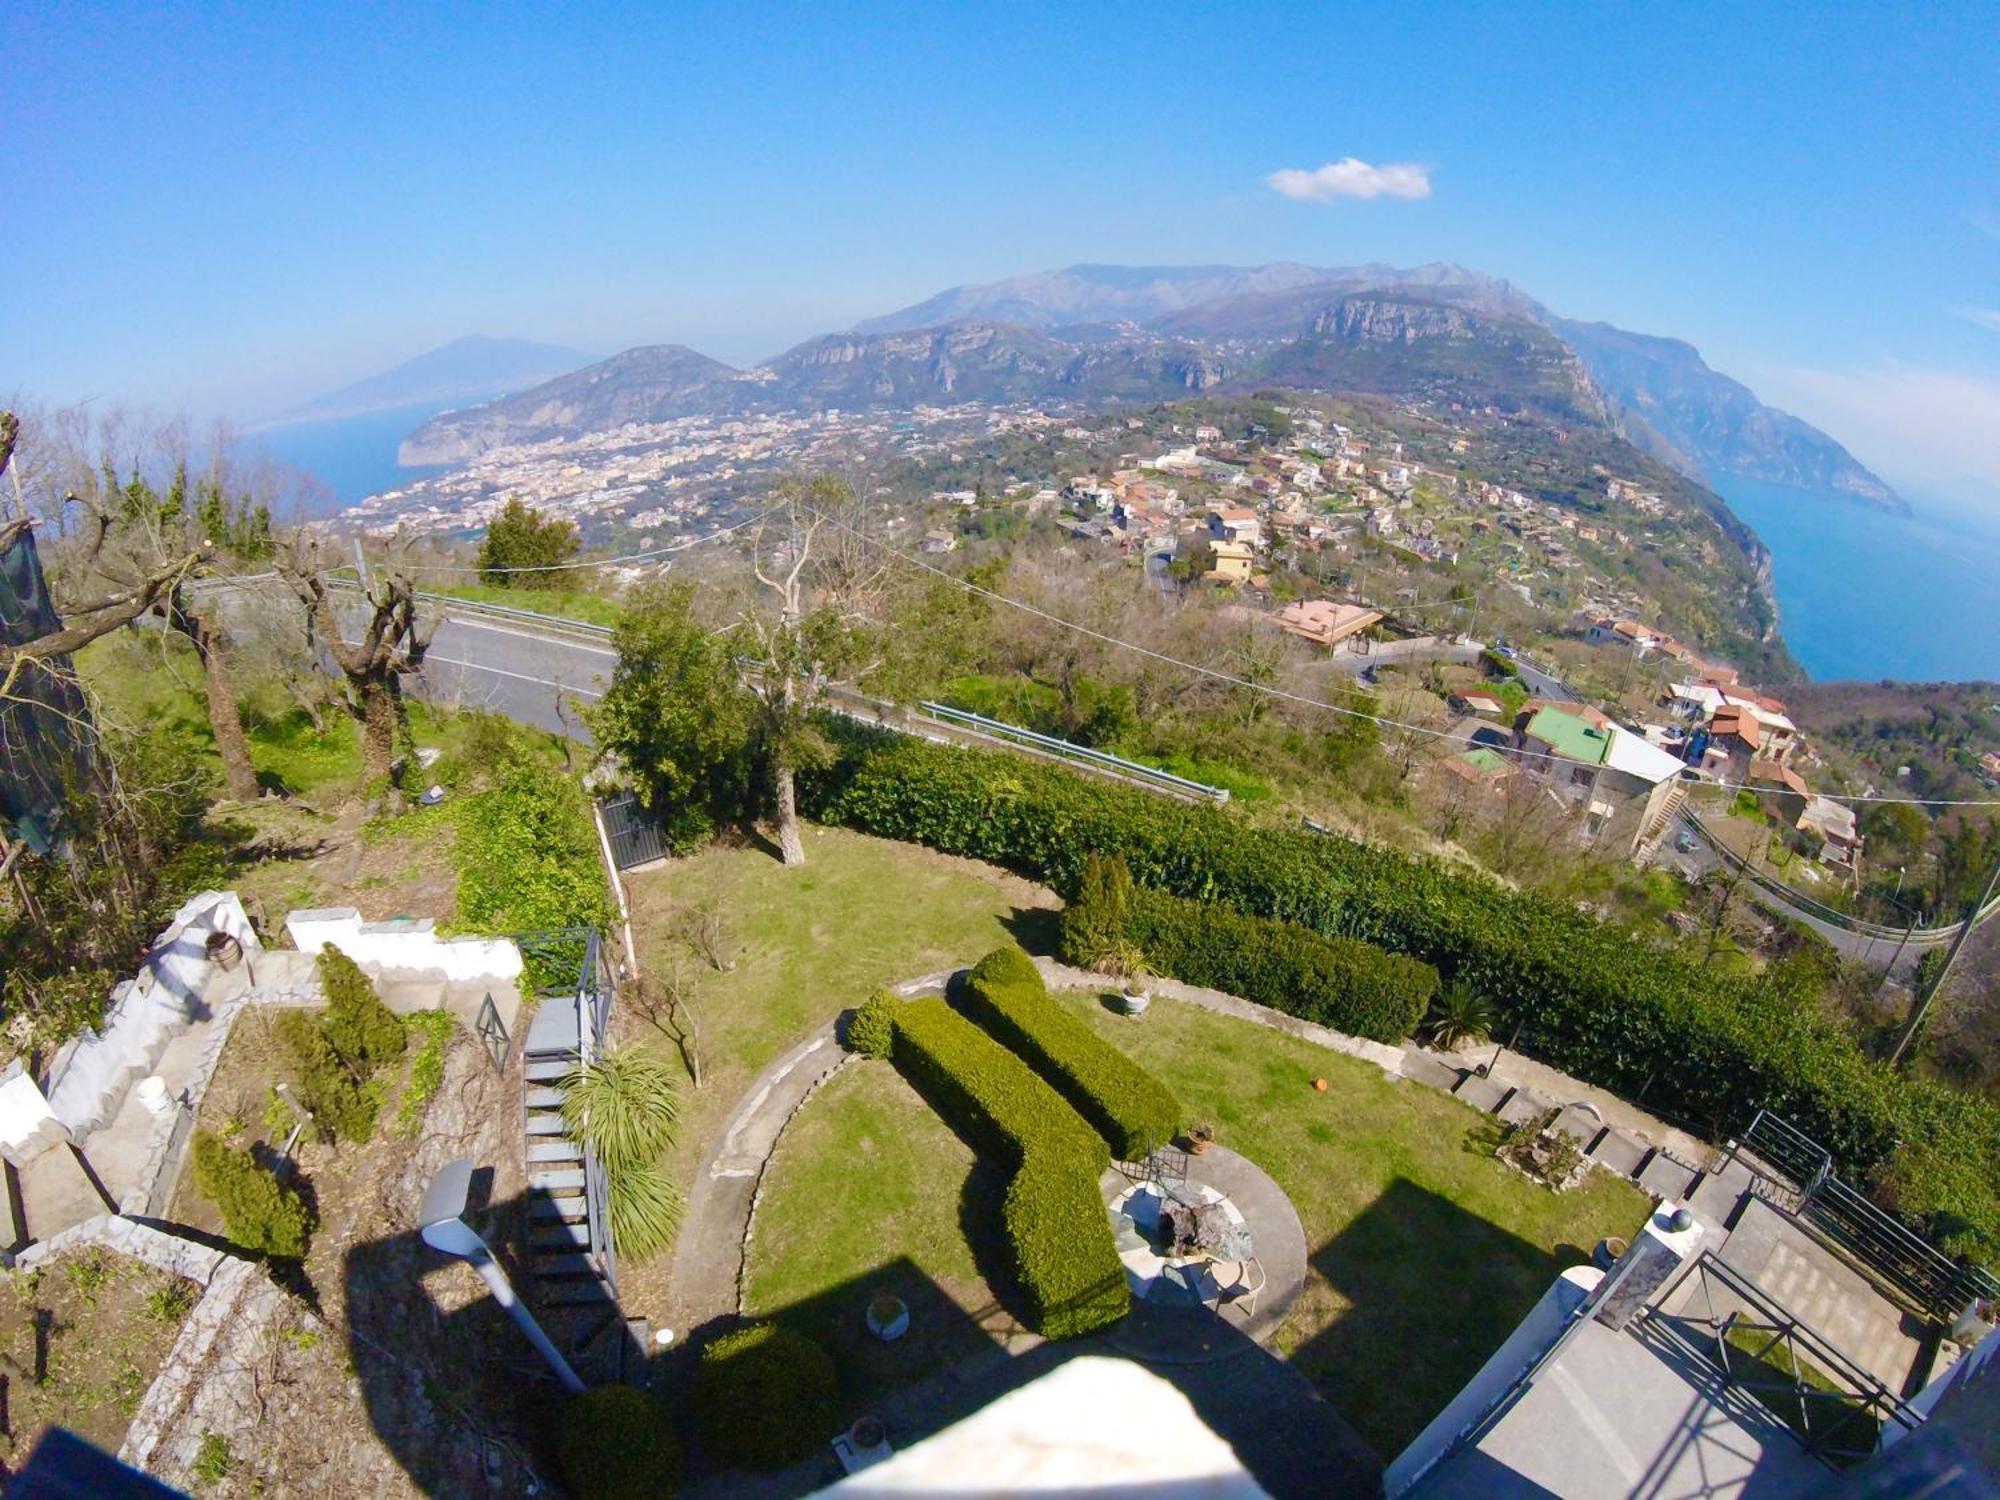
1867	594
353	457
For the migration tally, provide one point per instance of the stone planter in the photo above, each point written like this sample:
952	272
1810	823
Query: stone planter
1135	1002
888	1318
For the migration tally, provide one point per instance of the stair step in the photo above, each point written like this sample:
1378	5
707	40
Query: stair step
575	1291
558	1208
545	1098
563	1265
548	1069
555	1151
546	1124
558	1180
559	1236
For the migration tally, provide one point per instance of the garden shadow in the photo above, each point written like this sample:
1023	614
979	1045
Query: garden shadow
1038	929
1431	1290
452	1388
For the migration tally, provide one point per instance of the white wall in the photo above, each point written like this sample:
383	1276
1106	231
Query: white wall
408	945
89	1077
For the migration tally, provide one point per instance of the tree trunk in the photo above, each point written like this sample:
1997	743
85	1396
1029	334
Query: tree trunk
377	715
225	720
790	846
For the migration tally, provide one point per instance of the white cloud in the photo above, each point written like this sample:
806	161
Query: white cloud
1933	427
1985	317
1351	177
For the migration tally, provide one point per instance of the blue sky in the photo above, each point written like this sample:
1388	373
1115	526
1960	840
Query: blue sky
231	208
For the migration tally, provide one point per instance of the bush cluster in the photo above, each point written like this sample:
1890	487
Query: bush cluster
626	1106
1706	1048
616	1443
1343	983
872	1029
1126	1105
1056	1227
765	1395
258	1212
338	1051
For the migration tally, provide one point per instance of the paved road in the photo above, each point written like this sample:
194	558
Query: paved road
516	670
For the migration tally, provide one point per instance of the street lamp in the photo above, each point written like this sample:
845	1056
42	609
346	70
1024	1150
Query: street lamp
443	1229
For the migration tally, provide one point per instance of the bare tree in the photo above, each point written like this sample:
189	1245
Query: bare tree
391	645
666	1001
808	642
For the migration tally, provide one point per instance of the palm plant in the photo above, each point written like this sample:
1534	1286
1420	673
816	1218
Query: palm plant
625	1106
645	1211
1460	1016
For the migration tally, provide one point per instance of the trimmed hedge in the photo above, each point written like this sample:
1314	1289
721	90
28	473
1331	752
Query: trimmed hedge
764	1396
1064	1254
871	1030
1343	983
617	1443
986	1093
1126	1105
1053	1215
1701	1046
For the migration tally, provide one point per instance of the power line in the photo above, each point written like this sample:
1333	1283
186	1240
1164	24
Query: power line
1275	692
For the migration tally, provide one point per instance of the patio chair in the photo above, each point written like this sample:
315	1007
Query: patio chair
1245	1288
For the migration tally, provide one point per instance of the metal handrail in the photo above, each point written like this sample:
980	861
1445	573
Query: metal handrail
1070	750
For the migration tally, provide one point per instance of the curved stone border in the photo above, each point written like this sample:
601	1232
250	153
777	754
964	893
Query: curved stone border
813	1086
711	1252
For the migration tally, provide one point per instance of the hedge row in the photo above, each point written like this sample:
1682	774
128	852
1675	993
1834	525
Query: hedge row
1129	1107
1054	1218
1705	1047
1343	983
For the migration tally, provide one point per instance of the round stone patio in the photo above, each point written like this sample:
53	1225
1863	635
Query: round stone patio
1177	1315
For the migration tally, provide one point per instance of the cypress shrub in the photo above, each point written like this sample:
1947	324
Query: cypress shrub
343	1108
1094	922
258	1212
872	1030
764	1395
1125	1104
361	1028
615	1443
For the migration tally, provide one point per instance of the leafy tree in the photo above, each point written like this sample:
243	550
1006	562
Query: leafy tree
1896	833
523	541
677	716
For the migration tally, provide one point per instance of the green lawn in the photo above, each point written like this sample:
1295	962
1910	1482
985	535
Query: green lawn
1425	1251
868	1192
810	942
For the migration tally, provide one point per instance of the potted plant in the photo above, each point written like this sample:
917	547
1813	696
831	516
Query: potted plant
1129	964
1199	1136
888	1317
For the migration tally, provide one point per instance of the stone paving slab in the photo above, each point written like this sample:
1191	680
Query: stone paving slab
1621	1152
1581	1124
1420	1066
1664	1177
1524	1105
1483	1094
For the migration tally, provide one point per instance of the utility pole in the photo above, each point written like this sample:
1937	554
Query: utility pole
361	565
1921	1010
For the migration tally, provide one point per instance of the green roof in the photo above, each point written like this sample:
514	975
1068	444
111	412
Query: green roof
1485	760
1570	737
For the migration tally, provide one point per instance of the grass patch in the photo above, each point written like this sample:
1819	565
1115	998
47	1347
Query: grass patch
1424	1252
1822	1410
567	604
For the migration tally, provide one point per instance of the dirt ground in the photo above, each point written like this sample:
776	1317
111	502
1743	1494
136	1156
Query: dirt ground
391	1371
80	1340
299	856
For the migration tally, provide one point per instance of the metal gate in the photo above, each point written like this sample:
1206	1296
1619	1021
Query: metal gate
634	834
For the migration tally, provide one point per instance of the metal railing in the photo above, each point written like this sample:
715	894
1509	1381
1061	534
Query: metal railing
1837	1409
1131	770
575	971
1882	1244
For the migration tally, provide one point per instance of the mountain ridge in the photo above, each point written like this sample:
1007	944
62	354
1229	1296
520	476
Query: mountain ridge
1100	332
476	367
